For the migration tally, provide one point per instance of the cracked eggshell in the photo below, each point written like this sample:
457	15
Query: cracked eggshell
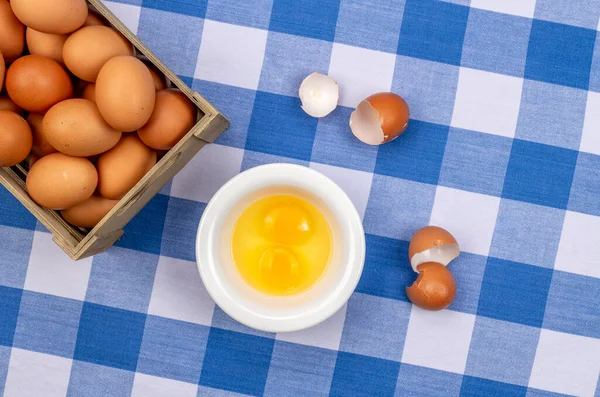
380	118
434	288
319	94
432	244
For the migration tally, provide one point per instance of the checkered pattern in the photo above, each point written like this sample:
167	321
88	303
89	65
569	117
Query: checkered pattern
503	149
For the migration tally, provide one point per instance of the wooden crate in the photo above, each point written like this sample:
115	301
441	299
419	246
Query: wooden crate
79	243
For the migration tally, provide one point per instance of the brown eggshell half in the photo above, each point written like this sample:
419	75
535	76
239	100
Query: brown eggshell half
434	288
90	212
380	118
432	244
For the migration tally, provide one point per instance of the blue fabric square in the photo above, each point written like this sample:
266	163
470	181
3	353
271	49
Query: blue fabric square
572	304
4	361
181	224
468	270
514	292
357	375
48	324
109	336
236	362
16	247
255	14
560	54
91	380
502	351
279	126
496	42
585	14
595	72
433	30
418	381
475	162
172	349
289	59
478	387
539	174
335	145
122	278
13	212
551	114
586	185
387	270
397	208
375	327
309	18
9	312
195	8
360	24
527	233
144	232
429	88
294	371
416	155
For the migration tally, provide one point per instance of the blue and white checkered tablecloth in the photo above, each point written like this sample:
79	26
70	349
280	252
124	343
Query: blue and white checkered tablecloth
503	150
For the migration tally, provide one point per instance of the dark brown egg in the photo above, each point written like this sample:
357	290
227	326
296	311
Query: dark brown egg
434	288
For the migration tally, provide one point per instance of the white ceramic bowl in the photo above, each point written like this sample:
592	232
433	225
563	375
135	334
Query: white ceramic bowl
251	307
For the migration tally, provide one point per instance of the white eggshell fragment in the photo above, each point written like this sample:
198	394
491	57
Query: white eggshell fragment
319	94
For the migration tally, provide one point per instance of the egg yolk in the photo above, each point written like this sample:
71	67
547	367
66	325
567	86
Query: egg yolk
281	245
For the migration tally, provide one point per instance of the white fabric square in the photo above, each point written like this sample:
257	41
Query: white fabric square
51	271
523	8
470	217
200	179
326	335
487	102
178	293
578	250
438	340
360	72
32	374
152	386
128	14
566	363
231	54
590	138
356	184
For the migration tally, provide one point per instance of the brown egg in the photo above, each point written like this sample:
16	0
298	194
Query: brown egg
125	93
159	79
7	104
56	16
432	244
90	212
12	33
2	71
174	116
123	166
37	83
93	19
88	49
58	181
41	145
434	288
46	44
75	127
89	93
380	118
15	138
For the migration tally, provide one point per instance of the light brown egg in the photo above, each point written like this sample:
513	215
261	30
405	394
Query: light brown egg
41	145
88	49
123	166
125	93
7	104
432	244
75	127
174	116
12	33
159	79
15	138
93	19
380	118
46	44
2	71
89	93
90	212
37	83
434	288
56	16
58	181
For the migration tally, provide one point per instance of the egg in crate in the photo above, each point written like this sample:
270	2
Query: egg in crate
88	213
56	16
12	33
15	138
2	71
46	44
7	104
41	145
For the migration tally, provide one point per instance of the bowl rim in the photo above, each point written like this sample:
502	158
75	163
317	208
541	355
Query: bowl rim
336	297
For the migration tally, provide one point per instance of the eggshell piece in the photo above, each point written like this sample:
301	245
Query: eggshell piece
380	118
46	44
89	92
434	288
56	16
58	181
12	33
15	138
88	49
125	93
319	94
36	83
432	244
41	145
174	116
89	213
2	71
122	167
76	128
7	104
